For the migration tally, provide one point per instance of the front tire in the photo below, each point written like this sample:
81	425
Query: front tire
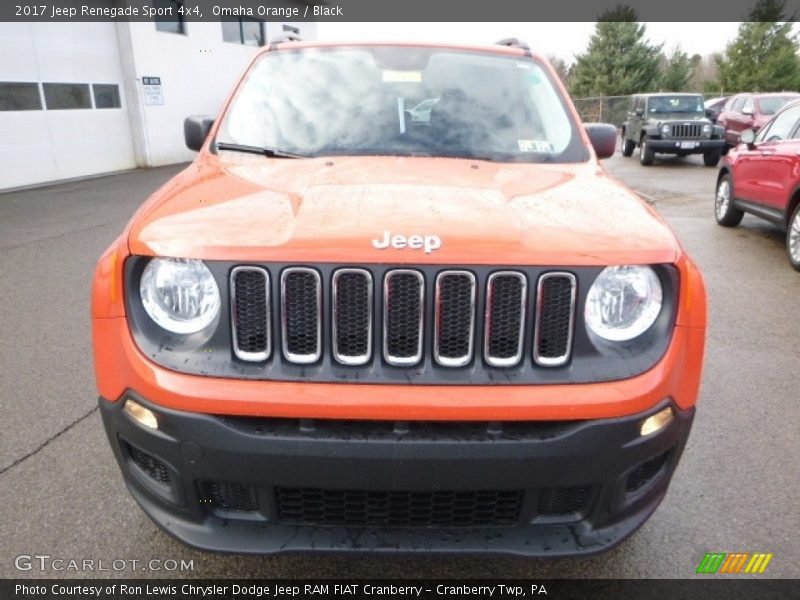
726	213
646	154
793	240
711	158
627	146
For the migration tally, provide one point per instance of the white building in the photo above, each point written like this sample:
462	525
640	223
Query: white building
79	99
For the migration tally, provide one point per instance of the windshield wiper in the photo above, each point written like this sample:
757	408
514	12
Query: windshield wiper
264	151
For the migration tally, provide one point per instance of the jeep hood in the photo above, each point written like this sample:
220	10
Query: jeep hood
250	208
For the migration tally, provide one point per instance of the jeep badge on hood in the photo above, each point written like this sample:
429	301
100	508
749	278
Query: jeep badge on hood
415	242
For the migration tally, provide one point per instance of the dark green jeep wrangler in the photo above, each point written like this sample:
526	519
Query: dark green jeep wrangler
671	124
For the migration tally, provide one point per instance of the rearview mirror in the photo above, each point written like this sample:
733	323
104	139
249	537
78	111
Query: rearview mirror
748	137
195	131
603	137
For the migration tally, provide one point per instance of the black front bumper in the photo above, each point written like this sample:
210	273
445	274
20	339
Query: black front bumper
680	146
253	485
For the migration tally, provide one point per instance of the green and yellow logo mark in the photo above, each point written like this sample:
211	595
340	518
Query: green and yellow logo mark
737	562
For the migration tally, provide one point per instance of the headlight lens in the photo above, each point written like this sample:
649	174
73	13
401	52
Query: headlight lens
179	294
665	129
623	302
707	128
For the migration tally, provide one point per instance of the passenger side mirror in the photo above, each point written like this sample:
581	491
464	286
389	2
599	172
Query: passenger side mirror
747	111
195	131
603	137
639	112
748	137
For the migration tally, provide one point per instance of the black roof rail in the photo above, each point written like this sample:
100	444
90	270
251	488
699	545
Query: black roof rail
513	43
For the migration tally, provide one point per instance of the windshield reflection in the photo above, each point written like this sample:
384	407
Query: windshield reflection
402	101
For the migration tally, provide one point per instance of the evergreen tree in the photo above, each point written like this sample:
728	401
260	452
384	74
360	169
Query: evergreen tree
619	59
561	68
677	71
705	77
763	56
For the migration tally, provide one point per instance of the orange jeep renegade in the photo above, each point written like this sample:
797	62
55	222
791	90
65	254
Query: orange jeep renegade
395	304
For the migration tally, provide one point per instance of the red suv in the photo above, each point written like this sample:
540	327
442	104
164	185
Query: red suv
750	111
762	176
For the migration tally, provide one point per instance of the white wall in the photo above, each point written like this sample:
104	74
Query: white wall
47	145
197	69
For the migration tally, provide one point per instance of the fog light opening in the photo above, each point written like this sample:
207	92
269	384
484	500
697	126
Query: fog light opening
143	416
657	422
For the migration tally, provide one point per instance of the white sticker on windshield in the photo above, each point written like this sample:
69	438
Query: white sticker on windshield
402	76
538	146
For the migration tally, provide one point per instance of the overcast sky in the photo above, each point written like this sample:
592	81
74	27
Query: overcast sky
560	39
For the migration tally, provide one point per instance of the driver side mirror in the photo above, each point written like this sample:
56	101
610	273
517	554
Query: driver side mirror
748	137
195	131
747	111
639	112
603	137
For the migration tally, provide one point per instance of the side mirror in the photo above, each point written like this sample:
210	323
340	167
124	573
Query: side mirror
748	137
195	131
747	111
639	112
603	137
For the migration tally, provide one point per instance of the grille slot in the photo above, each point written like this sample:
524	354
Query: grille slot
306	506
686	130
558	502
645	472
241	497
150	465
301	302
506	293
352	316
454	327
404	293
250	308
555	319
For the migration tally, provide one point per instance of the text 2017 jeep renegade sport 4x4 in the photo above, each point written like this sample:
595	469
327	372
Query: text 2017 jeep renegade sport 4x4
396	304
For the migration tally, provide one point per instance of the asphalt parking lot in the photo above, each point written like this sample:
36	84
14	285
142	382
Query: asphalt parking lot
61	494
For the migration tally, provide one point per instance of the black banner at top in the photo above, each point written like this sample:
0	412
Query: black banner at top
376	10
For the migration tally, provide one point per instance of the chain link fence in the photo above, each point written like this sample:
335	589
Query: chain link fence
603	109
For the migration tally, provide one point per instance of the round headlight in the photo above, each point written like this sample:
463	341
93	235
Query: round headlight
623	302
180	295
665	129
707	128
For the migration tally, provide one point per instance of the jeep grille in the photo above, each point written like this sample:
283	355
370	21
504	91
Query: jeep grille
686	130
450	330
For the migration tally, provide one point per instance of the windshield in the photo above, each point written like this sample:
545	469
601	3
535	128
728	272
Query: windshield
772	104
676	104
402	101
